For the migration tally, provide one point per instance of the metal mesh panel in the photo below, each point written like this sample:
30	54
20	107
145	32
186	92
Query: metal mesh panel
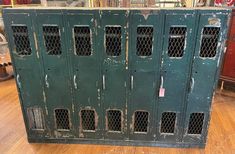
88	120
52	40
144	41
62	119
113	40
209	41
141	121
35	117
21	40
168	122
195	123
82	39
176	41
114	118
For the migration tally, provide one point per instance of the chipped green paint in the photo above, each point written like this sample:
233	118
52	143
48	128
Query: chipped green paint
126	83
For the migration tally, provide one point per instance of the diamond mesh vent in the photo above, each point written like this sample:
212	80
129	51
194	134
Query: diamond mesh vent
113	40
141	120
176	41
195	123
209	41
62	119
21	40
168	122
35	117
88	120
114	118
82	39
144	41
52	40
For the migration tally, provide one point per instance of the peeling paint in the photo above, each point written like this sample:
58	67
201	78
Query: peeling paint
36	44
214	21
98	92
44	96
110	61
46	110
127	47
72	107
145	13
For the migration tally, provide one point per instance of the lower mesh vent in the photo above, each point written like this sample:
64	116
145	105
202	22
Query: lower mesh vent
62	119
88	120
114	118
195	123
35	117
168	122
141	120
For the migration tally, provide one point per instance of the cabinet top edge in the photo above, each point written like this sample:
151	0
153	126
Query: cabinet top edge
121	8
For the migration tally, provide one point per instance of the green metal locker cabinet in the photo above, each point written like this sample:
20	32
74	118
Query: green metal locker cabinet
117	76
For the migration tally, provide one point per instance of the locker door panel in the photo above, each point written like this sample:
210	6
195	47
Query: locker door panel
21	40
144	63
31	96
112	37
176	61
210	44
86	73
27	68
57	83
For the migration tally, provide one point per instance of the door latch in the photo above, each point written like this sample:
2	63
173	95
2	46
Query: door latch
74	81
103	82
132	82
46	81
162	89
18	81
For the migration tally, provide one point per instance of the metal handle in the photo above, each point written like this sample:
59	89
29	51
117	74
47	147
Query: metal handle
74	81
192	84
132	82
103	81
46	81
162	81
18	80
225	49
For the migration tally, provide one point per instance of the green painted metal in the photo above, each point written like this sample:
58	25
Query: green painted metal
86	70
205	72
114	73
175	70
28	78
118	76
57	83
144	72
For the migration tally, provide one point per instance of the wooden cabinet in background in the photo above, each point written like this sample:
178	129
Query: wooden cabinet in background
228	70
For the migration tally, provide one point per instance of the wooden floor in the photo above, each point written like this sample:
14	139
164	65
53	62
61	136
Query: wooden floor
13	136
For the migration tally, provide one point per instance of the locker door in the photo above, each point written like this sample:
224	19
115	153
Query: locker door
52	45
210	43
144	62
85	58
21	36
26	62
112	36
176	61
